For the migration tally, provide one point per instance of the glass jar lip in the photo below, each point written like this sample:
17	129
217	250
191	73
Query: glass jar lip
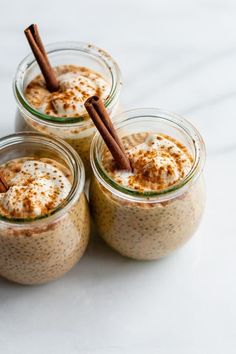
78	46
150	196
75	163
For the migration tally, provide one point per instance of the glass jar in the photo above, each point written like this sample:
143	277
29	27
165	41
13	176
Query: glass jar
148	225
79	131
38	250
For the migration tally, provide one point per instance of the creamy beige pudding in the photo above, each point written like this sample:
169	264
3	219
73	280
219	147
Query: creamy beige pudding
41	235
82	70
152	210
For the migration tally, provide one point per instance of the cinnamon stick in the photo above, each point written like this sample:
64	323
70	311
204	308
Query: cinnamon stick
36	44
102	121
3	184
102	112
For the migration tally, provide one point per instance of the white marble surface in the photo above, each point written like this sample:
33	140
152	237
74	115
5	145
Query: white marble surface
179	55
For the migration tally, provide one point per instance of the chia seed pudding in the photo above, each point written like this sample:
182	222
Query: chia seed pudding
149	212
82	71
44	216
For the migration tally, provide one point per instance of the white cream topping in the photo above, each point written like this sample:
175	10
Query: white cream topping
75	86
35	190
158	163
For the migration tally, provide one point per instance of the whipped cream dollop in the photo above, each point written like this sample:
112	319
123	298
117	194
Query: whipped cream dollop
158	163
76	84
36	188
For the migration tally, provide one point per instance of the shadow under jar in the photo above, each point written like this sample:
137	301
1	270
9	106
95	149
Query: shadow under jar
41	249
77	131
151	224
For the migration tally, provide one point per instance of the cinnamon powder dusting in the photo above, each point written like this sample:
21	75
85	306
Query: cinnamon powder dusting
37	187
76	84
158	161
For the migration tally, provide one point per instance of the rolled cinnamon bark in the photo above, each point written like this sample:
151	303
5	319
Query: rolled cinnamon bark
3	184
102	121
36	44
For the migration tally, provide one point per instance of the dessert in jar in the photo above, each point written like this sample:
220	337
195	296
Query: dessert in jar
82	70
44	216
151	210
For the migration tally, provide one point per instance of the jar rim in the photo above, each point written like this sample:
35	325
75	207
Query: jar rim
76	46
75	164
131	116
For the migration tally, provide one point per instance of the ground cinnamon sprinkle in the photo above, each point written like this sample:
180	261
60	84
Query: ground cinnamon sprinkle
155	166
32	192
71	94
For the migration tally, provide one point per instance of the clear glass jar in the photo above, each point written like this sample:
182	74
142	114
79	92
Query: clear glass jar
148	225
39	250
79	131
